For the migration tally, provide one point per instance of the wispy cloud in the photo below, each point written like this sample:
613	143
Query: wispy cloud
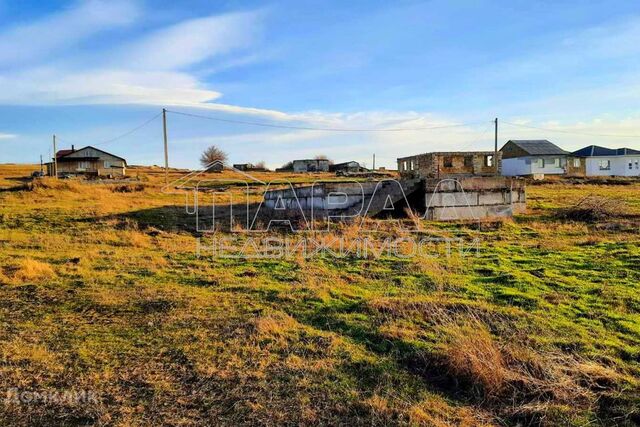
55	86
148	70
8	136
192	41
43	38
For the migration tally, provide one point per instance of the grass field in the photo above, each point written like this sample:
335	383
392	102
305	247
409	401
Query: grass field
101	290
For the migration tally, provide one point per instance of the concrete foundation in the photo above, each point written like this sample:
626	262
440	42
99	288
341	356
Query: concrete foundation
474	198
465	198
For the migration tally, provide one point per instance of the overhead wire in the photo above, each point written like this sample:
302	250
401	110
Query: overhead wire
326	129
570	131
135	129
125	134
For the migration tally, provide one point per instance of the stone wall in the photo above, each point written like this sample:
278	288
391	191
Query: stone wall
450	164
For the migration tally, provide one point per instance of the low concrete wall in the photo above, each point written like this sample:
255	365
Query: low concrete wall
470	198
474	198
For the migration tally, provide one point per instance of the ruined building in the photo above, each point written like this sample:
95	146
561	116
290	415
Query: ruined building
450	164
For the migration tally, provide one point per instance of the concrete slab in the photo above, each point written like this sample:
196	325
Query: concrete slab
493	198
451	199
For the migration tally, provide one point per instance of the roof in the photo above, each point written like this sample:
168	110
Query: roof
63	153
311	160
596	150
346	163
537	147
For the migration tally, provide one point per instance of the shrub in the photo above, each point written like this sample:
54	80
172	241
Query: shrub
29	270
128	188
592	209
48	183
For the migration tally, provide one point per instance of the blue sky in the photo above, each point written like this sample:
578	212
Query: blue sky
92	70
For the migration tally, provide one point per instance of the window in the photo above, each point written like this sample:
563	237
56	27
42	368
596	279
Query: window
540	163
576	163
404	165
83	165
488	161
556	162
411	165
107	164
630	165
604	165
468	161
448	162
637	165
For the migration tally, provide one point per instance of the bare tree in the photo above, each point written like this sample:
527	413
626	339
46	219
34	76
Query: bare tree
211	155
260	165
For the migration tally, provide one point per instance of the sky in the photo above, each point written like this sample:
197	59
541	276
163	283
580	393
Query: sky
94	71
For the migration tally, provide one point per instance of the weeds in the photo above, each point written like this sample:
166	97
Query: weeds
102	290
592	209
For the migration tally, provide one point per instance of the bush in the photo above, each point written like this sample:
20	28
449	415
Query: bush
592	209
128	188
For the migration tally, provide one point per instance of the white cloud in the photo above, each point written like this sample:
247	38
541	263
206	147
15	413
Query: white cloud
8	136
53	86
47	36
146	71
192	41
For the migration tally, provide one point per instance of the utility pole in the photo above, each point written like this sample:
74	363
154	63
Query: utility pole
55	158
495	147
374	161
166	147
41	171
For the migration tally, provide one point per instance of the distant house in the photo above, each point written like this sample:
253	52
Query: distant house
351	166
306	165
532	157
601	161
249	167
88	161
449	164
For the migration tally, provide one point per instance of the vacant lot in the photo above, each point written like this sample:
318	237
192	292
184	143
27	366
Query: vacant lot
101	291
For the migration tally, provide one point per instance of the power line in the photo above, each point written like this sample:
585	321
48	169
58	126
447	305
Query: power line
572	132
129	132
477	141
135	129
271	125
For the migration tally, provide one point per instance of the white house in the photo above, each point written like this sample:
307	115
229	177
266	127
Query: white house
531	157
601	161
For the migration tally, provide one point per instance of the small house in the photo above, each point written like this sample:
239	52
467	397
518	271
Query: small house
249	167
534	157
87	161
602	161
306	165
351	166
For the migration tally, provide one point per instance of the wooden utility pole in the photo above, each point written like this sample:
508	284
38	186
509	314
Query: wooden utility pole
495	147
41	171
55	158
166	147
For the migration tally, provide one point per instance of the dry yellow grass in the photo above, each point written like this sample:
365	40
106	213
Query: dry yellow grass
104	291
32	270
